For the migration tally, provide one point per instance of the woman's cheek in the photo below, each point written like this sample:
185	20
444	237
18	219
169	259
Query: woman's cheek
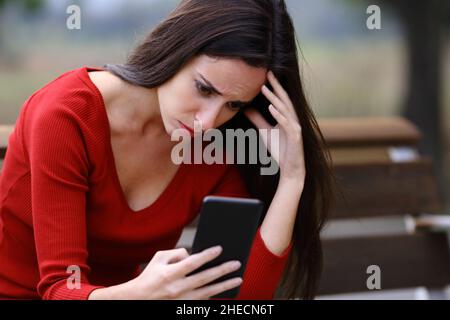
224	117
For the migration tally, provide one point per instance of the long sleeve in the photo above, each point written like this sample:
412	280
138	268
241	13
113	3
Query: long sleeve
263	272
264	268
59	170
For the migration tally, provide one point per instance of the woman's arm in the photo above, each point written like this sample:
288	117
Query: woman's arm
59	181
277	227
123	291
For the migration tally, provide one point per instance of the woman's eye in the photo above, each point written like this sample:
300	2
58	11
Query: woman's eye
202	89
237	106
233	107
207	92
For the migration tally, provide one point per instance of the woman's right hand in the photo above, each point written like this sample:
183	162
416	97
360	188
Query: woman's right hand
165	277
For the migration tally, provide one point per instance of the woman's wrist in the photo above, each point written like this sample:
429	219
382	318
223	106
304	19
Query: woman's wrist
293	181
123	291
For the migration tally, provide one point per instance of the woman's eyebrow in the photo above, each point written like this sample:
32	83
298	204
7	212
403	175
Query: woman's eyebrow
214	89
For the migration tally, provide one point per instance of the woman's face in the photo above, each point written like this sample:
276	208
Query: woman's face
208	90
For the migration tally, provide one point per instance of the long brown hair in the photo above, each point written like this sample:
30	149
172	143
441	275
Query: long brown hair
261	33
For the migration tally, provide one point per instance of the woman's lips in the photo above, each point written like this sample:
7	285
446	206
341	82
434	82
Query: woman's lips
191	131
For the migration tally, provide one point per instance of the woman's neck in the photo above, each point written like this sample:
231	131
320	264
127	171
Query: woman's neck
132	110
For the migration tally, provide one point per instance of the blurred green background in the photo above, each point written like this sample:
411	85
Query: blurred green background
348	70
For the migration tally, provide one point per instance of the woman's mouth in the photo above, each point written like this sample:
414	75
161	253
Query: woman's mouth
191	131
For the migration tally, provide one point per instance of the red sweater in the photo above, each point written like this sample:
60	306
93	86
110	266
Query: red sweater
61	203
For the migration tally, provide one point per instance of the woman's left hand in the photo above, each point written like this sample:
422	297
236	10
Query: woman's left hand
288	152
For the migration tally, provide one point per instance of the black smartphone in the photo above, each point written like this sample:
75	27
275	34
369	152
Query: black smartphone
231	223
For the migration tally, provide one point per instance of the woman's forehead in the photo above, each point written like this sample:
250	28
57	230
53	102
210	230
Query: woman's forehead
230	76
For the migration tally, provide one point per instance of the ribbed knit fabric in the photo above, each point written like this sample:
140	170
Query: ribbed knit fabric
61	203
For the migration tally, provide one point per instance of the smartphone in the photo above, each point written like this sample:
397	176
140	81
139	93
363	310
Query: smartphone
231	223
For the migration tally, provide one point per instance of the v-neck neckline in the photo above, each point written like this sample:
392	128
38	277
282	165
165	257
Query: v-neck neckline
170	189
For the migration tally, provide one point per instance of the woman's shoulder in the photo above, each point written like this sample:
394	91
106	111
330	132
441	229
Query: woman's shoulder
67	103
69	93
69	88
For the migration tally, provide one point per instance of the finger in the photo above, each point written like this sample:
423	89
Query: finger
171	256
280	92
196	260
274	100
202	278
281	119
257	119
212	290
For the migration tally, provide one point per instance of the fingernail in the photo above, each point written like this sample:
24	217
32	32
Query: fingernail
216	249
235	264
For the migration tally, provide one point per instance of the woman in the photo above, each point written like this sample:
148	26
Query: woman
88	176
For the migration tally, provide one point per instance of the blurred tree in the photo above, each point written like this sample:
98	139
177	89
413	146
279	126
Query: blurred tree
423	23
30	6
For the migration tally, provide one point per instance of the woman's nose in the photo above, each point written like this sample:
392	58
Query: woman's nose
207	116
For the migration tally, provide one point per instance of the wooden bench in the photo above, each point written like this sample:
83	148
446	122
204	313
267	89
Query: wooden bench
385	215
5	131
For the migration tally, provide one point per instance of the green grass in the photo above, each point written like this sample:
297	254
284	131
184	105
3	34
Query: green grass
15	87
33	69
